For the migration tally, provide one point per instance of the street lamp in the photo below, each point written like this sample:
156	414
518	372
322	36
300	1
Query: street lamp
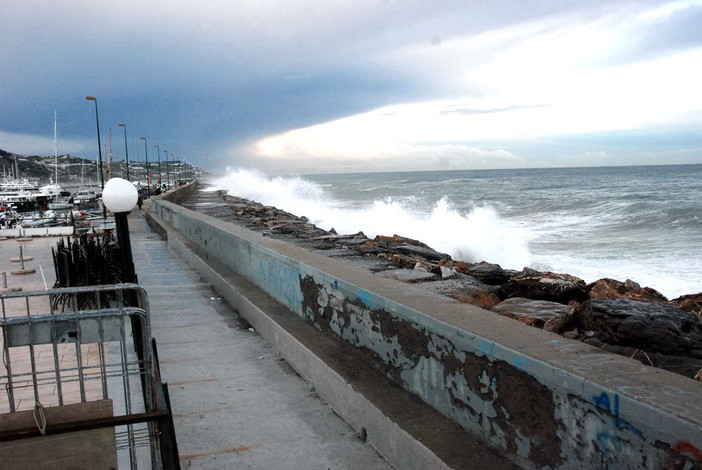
176	170
168	174
97	122
126	151
159	164
120	196
148	174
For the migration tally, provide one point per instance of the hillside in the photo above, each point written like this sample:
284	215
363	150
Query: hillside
71	170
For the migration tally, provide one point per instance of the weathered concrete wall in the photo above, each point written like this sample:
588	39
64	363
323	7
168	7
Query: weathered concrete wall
546	401
180	194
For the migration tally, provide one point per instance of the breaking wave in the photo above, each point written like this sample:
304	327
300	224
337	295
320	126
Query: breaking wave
477	234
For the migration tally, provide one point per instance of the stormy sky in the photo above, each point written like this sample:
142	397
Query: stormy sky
357	85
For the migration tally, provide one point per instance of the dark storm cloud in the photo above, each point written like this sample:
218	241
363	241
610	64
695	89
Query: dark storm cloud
199	77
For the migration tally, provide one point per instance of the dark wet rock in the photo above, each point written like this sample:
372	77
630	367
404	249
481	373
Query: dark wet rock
651	326
338	252
427	253
457	282
536	312
400	240
536	285
466	289
320	245
410	262
368	247
353	241
289	229
691	303
488	273
612	289
480	298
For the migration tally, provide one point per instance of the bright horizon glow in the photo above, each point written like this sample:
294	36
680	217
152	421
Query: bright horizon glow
544	79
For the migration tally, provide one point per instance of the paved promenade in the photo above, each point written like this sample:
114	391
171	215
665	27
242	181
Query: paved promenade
236	403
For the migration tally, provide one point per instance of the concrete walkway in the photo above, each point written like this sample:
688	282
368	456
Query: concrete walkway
237	404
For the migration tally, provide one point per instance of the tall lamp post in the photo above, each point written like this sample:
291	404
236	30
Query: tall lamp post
97	122
159	164
146	152
168	173
126	150
176	170
120	196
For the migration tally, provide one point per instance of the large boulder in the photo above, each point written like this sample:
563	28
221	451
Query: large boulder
405	245
399	240
407	275
651	326
427	253
536	285
612	289
488	273
466	289
538	313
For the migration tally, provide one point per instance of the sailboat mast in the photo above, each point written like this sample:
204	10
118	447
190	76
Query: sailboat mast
109	161
55	149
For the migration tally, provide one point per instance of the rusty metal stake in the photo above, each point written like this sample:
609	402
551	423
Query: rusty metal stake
22	269
4	284
21	256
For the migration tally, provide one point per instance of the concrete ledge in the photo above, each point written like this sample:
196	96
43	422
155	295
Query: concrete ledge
543	401
37	232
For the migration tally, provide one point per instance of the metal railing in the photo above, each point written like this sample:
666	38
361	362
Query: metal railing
98	347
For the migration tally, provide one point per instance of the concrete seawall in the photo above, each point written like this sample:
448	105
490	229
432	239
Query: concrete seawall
541	400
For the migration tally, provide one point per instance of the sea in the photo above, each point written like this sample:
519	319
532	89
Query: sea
642	223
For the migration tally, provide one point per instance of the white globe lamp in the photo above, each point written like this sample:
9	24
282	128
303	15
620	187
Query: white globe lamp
119	195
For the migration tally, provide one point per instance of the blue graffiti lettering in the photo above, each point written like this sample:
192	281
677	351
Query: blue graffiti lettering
603	401
520	362
621	424
611	405
365	299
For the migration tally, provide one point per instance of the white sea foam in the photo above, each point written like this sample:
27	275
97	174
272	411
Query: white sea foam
585	235
476	235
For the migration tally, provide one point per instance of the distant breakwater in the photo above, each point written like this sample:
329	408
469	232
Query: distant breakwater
618	316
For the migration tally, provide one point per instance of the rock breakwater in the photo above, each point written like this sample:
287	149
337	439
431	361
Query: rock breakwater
618	316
